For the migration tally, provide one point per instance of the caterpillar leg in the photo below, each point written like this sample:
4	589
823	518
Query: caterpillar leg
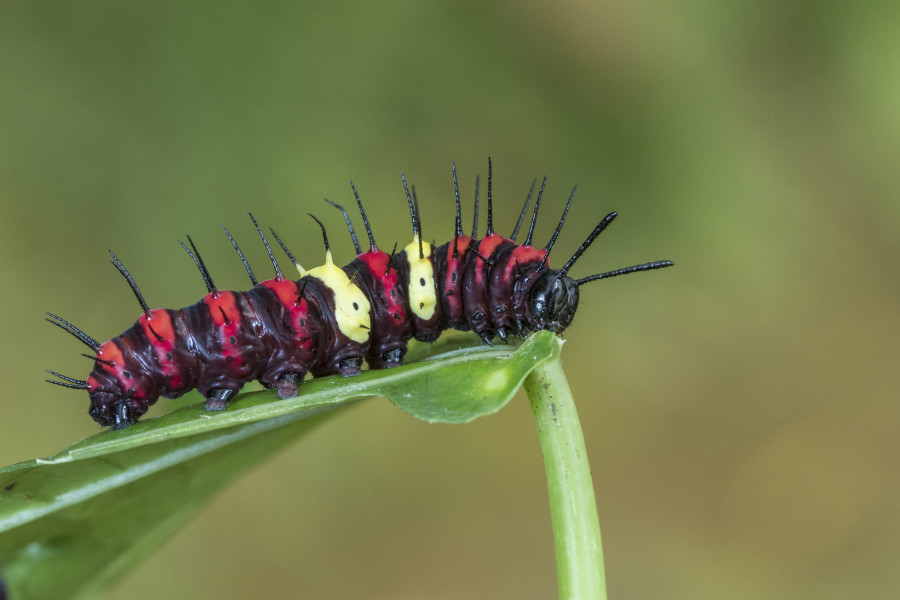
351	366
218	398
288	384
522	329
393	357
486	336
386	359
122	419
117	412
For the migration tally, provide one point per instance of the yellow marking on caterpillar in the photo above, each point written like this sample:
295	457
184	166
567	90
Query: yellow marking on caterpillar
351	307
422	294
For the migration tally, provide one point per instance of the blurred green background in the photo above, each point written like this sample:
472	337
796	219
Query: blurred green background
740	409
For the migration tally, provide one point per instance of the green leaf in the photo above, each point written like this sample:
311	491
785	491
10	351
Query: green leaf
573	509
71	523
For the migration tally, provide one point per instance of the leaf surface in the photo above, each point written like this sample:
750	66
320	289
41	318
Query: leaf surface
71	523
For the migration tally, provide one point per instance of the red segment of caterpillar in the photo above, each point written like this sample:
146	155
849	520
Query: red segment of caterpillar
333	318
157	326
391	328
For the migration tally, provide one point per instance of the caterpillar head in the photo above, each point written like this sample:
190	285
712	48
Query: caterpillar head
110	405
553	298
552	301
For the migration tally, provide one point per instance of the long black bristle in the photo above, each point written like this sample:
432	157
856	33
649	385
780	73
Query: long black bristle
349	225
524	211
537	206
210	286
284	247
74	331
587	243
67	382
64	378
458	231
324	234
278	274
241	255
134	287
559	227
659	264
362	211
413	214
412	209
475	220
71	386
108	363
490	215
458	209
418	218
391	261
302	290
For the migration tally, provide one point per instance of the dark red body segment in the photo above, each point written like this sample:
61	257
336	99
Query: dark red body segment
485	292
391	328
476	296
453	257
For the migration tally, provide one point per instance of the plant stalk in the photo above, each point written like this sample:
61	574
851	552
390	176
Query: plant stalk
573	510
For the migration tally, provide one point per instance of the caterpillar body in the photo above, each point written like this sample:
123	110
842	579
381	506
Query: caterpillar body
333	318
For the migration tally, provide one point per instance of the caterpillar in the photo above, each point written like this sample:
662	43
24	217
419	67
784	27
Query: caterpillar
333	318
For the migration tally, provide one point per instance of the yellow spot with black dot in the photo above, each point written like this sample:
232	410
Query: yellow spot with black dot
422	294
351	307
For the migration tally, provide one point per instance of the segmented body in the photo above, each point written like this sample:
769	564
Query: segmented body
230	338
333	318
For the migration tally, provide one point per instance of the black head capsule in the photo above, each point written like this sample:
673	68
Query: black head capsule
553	301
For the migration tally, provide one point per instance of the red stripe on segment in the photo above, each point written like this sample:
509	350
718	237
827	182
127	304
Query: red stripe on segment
521	256
110	352
486	248
377	263
528	254
289	296
285	289
461	244
225	314
159	330
223	308
489	243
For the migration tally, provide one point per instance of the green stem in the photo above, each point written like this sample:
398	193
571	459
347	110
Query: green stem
576	528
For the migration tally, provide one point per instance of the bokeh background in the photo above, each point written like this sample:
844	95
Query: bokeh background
740	410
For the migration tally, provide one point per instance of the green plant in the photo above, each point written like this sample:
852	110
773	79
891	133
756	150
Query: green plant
72	523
